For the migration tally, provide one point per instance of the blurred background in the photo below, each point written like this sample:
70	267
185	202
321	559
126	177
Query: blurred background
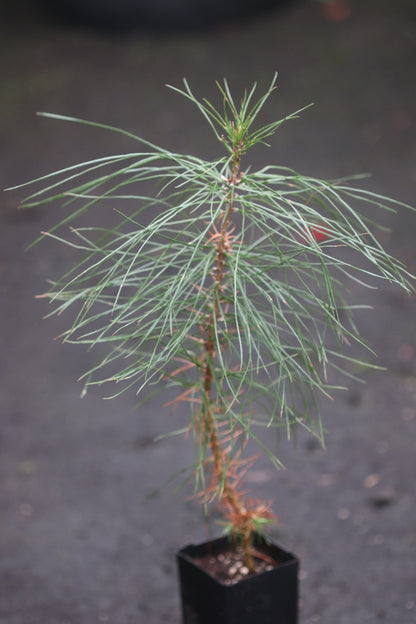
86	535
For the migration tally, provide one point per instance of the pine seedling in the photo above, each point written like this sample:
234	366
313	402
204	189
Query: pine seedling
223	281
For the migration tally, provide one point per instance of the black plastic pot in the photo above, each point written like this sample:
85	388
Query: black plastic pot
269	597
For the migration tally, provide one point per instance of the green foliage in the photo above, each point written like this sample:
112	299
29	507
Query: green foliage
223	281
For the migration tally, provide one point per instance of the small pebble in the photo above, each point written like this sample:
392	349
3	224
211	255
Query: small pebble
343	513
371	480
325	480
244	570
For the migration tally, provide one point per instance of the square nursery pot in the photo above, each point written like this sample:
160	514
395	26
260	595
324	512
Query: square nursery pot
266	597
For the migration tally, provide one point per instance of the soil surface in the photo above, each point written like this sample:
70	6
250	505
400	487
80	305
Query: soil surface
88	530
227	562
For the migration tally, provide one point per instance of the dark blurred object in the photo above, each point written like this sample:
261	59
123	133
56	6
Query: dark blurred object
177	14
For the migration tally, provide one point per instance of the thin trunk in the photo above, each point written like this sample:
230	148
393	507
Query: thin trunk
211	342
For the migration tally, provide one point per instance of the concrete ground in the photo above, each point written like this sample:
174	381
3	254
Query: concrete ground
82	539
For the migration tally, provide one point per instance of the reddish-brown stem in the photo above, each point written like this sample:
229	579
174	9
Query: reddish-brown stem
219	456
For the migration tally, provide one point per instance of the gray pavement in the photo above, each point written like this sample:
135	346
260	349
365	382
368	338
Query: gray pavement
82	538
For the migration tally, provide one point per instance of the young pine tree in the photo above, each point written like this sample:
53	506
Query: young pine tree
224	281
